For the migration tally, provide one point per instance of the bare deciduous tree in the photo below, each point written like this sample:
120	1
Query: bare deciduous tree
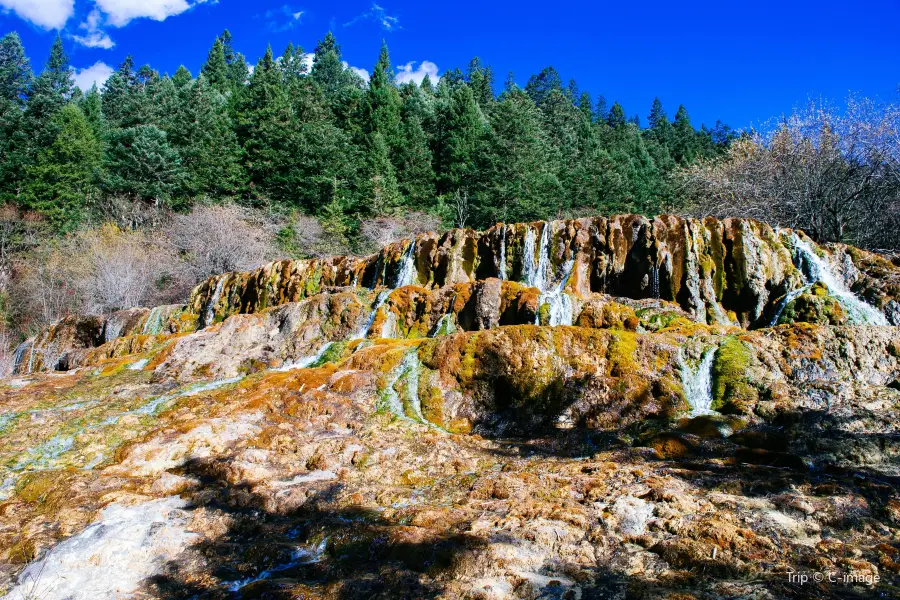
834	174
219	239
381	231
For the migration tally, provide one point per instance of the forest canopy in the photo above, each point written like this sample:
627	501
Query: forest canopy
313	136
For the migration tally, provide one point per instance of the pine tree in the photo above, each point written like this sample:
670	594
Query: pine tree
201	131
215	69
616	117
461	126
518	182
63	175
15	82
382	106
15	71
684	143
182	77
481	79
383	190
143	165
540	86
265	126
51	91
415	174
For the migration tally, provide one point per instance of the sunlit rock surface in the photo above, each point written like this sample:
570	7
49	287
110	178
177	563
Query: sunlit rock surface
600	408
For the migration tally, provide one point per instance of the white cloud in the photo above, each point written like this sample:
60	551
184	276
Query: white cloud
94	36
307	60
407	73
378	15
283	19
49	14
97	73
361	72
121	12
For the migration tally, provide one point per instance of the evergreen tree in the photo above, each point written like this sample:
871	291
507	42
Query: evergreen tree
265	124
15	82
382	106
383	190
461	126
51	91
201	131
616	116
540	86
518	182
684	143
481	79
63	176
15	71
142	164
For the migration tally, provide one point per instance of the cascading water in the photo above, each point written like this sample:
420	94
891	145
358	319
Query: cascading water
697	384
788	298
444	326
408	369
535	273
559	302
153	325
210	312
364	330
502	269
407	274
815	268
306	361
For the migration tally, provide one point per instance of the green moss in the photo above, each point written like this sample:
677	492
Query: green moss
334	354
622	352
544	314
733	391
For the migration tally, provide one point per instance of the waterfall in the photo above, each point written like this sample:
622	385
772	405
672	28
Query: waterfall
20	355
210	313
389	327
306	361
528	266
153	324
536	274
502	270
408	273
821	270
654	282
560	303
361	333
409	369
697	384
788	298
444	326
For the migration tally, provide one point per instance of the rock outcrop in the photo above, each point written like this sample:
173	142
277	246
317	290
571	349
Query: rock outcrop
622	407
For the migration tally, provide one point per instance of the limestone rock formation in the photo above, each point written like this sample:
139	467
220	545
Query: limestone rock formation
607	407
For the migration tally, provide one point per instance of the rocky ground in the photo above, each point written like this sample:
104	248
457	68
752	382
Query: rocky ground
458	439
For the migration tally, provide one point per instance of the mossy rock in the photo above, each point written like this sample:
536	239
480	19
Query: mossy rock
815	306
733	390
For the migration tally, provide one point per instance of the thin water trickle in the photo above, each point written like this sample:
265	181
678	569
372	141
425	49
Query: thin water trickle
210	313
407	274
502	269
697	383
364	330
306	361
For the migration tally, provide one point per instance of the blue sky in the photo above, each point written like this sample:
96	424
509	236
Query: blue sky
742	64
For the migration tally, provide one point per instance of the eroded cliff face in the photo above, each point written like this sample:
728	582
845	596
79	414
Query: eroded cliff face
613	407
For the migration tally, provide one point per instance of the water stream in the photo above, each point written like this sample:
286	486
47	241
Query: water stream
814	269
210	313
697	383
408	272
